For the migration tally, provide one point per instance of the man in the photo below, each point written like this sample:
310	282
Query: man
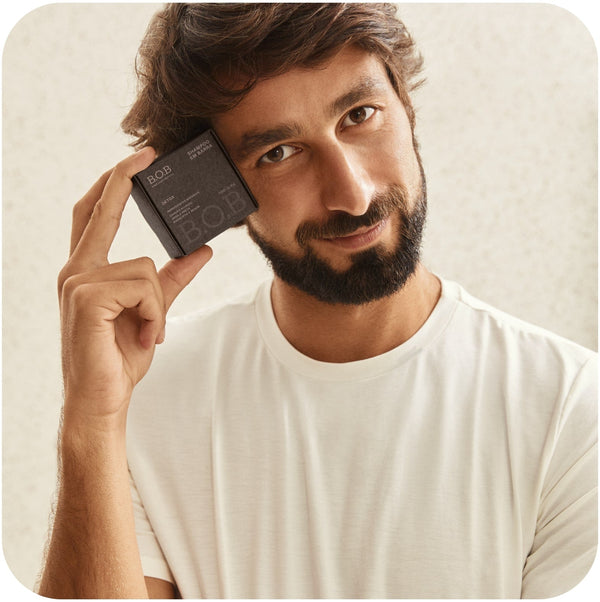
356	428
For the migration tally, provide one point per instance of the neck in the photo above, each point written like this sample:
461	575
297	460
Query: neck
346	333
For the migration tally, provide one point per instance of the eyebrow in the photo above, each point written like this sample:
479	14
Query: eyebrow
257	139
254	140
365	87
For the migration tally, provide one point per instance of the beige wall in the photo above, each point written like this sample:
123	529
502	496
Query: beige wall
507	124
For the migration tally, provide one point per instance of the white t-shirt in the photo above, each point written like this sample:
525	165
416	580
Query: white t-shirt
461	464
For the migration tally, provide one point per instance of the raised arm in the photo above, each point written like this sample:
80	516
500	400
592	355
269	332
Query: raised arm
112	315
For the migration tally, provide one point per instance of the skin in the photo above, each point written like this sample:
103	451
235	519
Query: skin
346	137
112	317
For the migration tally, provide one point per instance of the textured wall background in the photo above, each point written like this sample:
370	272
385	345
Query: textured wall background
507	124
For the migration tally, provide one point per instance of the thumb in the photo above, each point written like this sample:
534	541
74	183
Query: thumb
179	272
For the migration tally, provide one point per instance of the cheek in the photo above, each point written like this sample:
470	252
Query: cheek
275	219
402	161
401	148
390	154
283	203
267	206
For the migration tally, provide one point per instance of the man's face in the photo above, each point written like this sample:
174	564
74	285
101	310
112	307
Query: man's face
328	153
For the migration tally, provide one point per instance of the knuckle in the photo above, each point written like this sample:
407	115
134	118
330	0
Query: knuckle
79	293
61	279
103	212
148	290
81	208
172	275
147	264
65	273
71	287
120	170
77	210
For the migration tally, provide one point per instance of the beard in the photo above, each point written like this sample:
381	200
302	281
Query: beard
374	273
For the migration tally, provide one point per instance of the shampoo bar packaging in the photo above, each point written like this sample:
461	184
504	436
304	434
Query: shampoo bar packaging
192	194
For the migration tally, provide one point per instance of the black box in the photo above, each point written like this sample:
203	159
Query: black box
191	194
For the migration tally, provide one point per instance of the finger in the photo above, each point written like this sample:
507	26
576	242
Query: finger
149	309
82	211
178	273
99	233
104	302
149	333
142	268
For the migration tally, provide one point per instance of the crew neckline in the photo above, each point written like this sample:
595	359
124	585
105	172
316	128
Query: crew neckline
286	354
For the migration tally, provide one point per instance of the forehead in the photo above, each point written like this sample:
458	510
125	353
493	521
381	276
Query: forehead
304	92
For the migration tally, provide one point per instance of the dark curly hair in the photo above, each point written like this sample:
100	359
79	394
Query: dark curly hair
189	50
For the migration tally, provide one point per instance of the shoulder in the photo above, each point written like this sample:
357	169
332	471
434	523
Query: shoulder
212	331
199	344
481	321
217	316
530	365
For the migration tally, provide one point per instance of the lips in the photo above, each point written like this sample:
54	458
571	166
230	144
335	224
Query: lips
360	238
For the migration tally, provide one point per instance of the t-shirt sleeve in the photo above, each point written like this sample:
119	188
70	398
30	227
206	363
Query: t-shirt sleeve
565	540
154	563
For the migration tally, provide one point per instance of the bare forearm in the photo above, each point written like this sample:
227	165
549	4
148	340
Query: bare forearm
93	551
112	316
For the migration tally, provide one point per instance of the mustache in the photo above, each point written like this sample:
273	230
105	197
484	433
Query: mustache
382	205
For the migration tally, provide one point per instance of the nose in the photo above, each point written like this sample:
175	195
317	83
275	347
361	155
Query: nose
345	182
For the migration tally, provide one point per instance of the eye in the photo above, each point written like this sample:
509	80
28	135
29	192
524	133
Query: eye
278	154
358	115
